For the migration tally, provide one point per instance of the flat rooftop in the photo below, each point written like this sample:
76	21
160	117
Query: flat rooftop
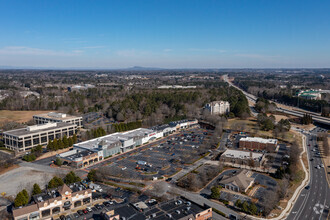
75	155
177	208
57	116
242	154
115	137
260	140
29	130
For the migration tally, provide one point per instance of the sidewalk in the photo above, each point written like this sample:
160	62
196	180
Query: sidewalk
296	194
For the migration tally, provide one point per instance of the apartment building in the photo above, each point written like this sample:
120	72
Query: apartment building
54	201
218	107
24	139
257	143
58	117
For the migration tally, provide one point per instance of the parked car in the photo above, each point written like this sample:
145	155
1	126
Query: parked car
62	217
85	211
80	212
98	206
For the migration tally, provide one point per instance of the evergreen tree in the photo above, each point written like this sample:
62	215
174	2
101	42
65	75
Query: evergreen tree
55	144
36	189
55	182
50	145
74	138
19	200
92	175
71	178
60	144
70	141
26	196
65	141
215	192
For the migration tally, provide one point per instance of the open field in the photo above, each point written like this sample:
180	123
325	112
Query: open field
18	116
17	179
250	126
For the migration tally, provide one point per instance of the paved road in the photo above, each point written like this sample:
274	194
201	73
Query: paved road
313	203
296	112
201	200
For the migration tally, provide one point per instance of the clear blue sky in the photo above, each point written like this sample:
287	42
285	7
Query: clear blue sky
164	33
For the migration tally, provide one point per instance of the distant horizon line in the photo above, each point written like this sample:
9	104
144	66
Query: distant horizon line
137	68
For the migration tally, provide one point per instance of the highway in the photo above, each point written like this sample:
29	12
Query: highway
313	203
297	112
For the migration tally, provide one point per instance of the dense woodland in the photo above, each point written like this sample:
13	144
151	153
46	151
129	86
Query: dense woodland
283	87
124	99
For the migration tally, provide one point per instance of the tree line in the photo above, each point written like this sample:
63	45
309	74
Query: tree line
65	142
119	127
23	198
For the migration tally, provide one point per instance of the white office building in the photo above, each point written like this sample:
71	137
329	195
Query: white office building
24	139
218	107
57	117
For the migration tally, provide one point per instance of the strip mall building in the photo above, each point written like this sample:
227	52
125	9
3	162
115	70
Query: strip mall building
89	152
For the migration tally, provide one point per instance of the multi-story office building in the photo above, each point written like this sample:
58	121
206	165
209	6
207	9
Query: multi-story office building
218	107
24	139
54	201
57	117
257	143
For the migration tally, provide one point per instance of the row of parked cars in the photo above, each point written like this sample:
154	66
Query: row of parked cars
87	210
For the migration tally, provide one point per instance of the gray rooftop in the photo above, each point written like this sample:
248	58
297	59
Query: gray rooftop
35	129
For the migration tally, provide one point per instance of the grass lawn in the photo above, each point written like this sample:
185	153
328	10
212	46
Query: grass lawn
18	116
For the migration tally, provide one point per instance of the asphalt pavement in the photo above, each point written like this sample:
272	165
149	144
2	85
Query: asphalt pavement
313	203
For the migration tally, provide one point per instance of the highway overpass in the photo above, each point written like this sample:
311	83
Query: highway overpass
295	112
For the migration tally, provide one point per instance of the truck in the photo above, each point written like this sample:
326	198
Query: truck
95	187
140	162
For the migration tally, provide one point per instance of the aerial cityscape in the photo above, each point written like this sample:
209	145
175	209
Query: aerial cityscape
160	110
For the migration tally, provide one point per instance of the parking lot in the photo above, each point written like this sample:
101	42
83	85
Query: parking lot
266	183
164	157
110	198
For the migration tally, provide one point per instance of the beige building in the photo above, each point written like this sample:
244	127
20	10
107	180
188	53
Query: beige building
57	117
218	107
24	139
239	182
54	202
242	158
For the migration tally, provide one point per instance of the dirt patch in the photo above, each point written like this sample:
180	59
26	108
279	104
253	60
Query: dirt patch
18	116
2	171
20	178
52	153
